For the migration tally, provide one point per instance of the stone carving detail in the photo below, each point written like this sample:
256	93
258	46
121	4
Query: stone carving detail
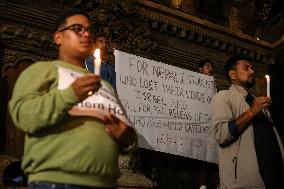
129	28
120	21
27	44
13	58
9	32
160	22
263	11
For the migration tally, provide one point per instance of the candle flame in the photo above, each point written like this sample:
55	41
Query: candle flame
97	53
267	77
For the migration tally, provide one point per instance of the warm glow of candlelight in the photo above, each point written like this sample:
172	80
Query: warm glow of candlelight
97	62
97	53
267	85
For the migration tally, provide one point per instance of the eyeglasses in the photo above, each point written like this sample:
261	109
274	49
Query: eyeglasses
79	29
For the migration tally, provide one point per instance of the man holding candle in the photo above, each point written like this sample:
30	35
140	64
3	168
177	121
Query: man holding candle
250	151
63	150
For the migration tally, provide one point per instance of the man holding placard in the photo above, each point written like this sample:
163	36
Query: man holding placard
250	151
72	139
206	172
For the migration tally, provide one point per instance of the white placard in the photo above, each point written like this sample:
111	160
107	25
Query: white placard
101	103
168	106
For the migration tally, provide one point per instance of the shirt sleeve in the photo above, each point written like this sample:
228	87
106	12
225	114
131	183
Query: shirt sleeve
36	102
224	129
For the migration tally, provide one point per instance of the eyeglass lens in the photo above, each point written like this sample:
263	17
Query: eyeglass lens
77	28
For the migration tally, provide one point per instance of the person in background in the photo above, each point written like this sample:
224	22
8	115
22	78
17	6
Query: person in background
206	67
107	68
207	173
62	150
249	148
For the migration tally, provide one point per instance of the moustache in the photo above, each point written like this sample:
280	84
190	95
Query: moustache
252	77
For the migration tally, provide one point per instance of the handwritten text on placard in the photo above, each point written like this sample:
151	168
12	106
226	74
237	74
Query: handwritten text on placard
168	106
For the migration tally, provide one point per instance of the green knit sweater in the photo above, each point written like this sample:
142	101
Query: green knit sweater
60	148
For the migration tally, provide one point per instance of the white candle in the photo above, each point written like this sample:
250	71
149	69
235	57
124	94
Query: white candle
97	62
267	85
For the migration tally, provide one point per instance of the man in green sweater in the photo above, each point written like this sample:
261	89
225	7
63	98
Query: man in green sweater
63	150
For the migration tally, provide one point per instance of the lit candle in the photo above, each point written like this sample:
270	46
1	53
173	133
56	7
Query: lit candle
267	85
97	62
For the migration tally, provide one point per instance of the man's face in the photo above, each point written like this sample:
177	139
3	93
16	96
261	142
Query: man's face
102	43
243	75
72	38
207	69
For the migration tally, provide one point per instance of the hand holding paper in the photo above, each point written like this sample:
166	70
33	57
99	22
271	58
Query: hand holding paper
119	131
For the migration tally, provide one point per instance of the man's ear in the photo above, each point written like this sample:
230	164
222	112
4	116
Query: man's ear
57	38
200	70
232	74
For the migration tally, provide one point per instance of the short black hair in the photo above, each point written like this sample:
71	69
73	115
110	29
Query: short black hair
97	35
232	63
61	20
204	61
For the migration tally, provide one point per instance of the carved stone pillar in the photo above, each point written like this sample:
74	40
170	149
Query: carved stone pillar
234	19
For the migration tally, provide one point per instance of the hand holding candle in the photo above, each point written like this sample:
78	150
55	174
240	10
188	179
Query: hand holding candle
267	85
97	62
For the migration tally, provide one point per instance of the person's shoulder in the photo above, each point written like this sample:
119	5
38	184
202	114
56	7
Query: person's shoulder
222	92
42	65
39	68
221	95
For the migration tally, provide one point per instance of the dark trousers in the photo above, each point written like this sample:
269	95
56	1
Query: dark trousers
50	185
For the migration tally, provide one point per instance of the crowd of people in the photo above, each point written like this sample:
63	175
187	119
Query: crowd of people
81	152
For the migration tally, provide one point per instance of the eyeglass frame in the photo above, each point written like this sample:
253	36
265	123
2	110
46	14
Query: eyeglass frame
72	28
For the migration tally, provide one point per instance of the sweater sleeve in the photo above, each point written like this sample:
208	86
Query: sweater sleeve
36	102
221	114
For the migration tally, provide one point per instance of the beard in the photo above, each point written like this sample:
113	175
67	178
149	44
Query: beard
250	82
